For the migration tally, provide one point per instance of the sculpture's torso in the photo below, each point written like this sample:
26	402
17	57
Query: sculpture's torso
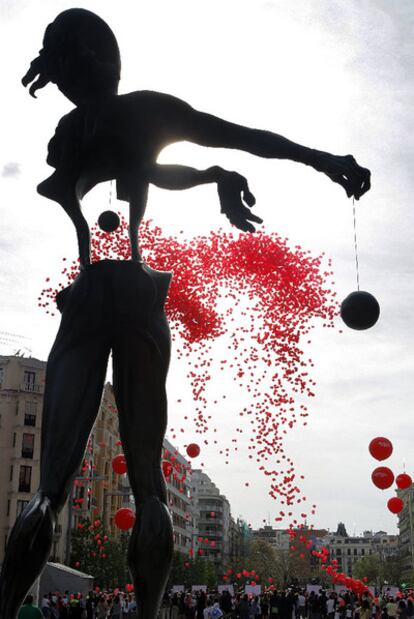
114	138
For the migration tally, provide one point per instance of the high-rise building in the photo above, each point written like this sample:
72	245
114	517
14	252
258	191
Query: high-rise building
179	498
211	537
406	536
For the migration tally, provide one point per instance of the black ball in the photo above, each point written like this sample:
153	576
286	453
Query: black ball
360	310
108	221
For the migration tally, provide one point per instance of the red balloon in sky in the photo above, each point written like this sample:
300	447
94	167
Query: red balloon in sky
125	518
403	481
382	477
193	450
380	448
119	464
167	468
395	505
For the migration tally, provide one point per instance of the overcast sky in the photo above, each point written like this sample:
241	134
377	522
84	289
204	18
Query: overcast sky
330	74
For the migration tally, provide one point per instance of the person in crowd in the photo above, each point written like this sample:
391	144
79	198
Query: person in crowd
254	609
115	608
226	603
208	609
243	607
29	610
102	608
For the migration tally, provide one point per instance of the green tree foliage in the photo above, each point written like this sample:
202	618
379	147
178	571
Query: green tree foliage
379	569
93	552
190	572
371	567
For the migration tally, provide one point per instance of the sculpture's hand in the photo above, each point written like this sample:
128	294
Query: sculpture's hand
233	192
344	170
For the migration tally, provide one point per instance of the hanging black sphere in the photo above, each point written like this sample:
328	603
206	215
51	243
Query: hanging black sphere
360	310
108	221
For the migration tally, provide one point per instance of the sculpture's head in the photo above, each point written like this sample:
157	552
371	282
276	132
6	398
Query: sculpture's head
80	55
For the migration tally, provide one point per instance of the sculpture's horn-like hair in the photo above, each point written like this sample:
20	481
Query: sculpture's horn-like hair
36	70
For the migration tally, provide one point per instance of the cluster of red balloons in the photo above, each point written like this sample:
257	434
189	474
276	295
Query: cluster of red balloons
286	289
383	477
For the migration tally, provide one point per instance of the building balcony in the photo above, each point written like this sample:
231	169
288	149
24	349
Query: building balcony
32	387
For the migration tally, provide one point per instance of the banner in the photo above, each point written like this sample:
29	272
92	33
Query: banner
177	589
228	588
313	588
199	588
253	590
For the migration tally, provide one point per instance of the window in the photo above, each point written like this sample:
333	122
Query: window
11	473
25	478
28	445
29	420
1	376
29	380
8	508
30	407
362	551
20	507
355	551
14	439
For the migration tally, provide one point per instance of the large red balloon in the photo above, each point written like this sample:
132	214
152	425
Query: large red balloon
119	464
403	481
380	448
382	477
193	450
125	518
395	505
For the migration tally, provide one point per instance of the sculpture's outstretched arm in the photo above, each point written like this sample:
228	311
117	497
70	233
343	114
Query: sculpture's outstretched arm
234	194
208	130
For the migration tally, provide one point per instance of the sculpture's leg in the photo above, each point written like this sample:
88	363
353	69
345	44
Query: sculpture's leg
140	369
74	380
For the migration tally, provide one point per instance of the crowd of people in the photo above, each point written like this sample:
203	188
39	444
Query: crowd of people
94	605
292	603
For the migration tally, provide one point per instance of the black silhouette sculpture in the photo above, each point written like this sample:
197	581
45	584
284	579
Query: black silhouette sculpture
115	305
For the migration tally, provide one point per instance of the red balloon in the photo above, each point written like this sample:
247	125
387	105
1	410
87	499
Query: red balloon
167	468
382	477
119	464
212	514
125	518
380	448
193	450
129	587
403	481
395	504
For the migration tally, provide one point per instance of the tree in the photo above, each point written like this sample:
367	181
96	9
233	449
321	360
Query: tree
370	567
188	572
94	553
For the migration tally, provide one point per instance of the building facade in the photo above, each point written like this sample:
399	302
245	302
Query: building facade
21	401
211	537
348	550
406	534
179	498
98	492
